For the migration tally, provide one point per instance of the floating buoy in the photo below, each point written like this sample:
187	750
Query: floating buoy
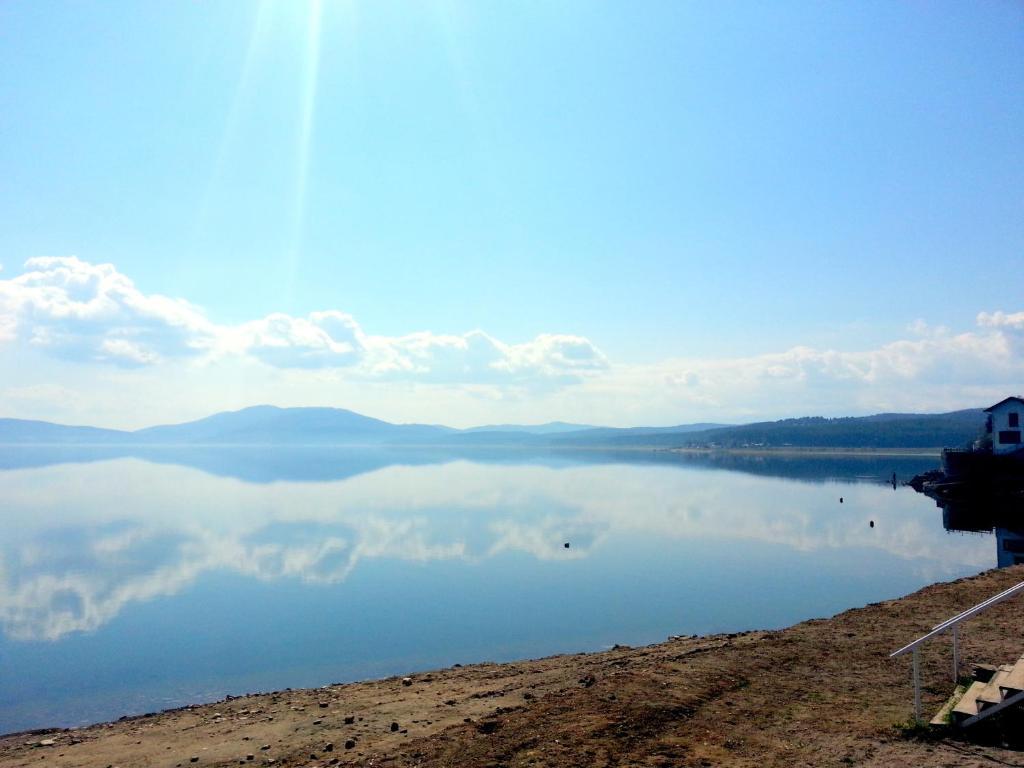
871	523
840	499
566	545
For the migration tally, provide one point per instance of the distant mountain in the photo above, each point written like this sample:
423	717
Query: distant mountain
23	431
259	425
270	425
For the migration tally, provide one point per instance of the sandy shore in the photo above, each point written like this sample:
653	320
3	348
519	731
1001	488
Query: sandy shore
822	692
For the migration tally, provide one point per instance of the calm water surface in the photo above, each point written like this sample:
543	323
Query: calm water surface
134	583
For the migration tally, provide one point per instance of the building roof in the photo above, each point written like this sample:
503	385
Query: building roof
1002	402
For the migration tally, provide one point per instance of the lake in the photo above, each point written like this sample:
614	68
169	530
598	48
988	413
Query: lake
133	582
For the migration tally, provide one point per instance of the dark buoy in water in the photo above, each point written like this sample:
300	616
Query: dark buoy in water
871	523
566	545
840	499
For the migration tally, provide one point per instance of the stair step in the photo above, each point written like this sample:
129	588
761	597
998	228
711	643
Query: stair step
968	704
990	694
945	715
1014	680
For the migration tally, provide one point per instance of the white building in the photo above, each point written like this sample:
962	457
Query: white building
1004	424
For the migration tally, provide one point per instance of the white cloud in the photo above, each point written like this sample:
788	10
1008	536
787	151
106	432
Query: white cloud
479	358
1013	320
91	312
323	340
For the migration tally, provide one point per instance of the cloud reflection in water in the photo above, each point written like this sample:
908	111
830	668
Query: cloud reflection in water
88	539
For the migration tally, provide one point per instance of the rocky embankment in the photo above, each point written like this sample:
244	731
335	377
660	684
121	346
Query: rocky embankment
823	692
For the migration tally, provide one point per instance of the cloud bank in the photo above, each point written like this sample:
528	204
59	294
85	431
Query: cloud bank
95	335
86	312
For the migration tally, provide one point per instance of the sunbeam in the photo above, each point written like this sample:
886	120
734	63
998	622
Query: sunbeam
257	32
310	70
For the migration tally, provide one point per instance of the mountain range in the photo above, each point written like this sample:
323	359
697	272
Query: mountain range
270	425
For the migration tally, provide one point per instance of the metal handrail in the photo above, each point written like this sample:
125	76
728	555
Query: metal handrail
941	627
971	611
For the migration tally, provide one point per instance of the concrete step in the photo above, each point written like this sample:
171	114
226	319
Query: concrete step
968	704
992	693
989	696
945	715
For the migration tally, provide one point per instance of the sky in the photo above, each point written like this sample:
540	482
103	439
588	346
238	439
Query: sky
470	213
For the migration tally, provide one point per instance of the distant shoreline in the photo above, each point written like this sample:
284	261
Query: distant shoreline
815	451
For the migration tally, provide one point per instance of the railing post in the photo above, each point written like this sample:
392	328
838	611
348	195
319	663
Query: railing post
917	685
956	653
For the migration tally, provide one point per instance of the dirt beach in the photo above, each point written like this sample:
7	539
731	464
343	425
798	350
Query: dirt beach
823	692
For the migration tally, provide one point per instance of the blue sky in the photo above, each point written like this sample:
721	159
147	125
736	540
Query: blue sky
640	208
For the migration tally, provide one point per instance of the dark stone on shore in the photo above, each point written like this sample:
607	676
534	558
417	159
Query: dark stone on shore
406	681
329	747
394	727
350	744
488	726
349	719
